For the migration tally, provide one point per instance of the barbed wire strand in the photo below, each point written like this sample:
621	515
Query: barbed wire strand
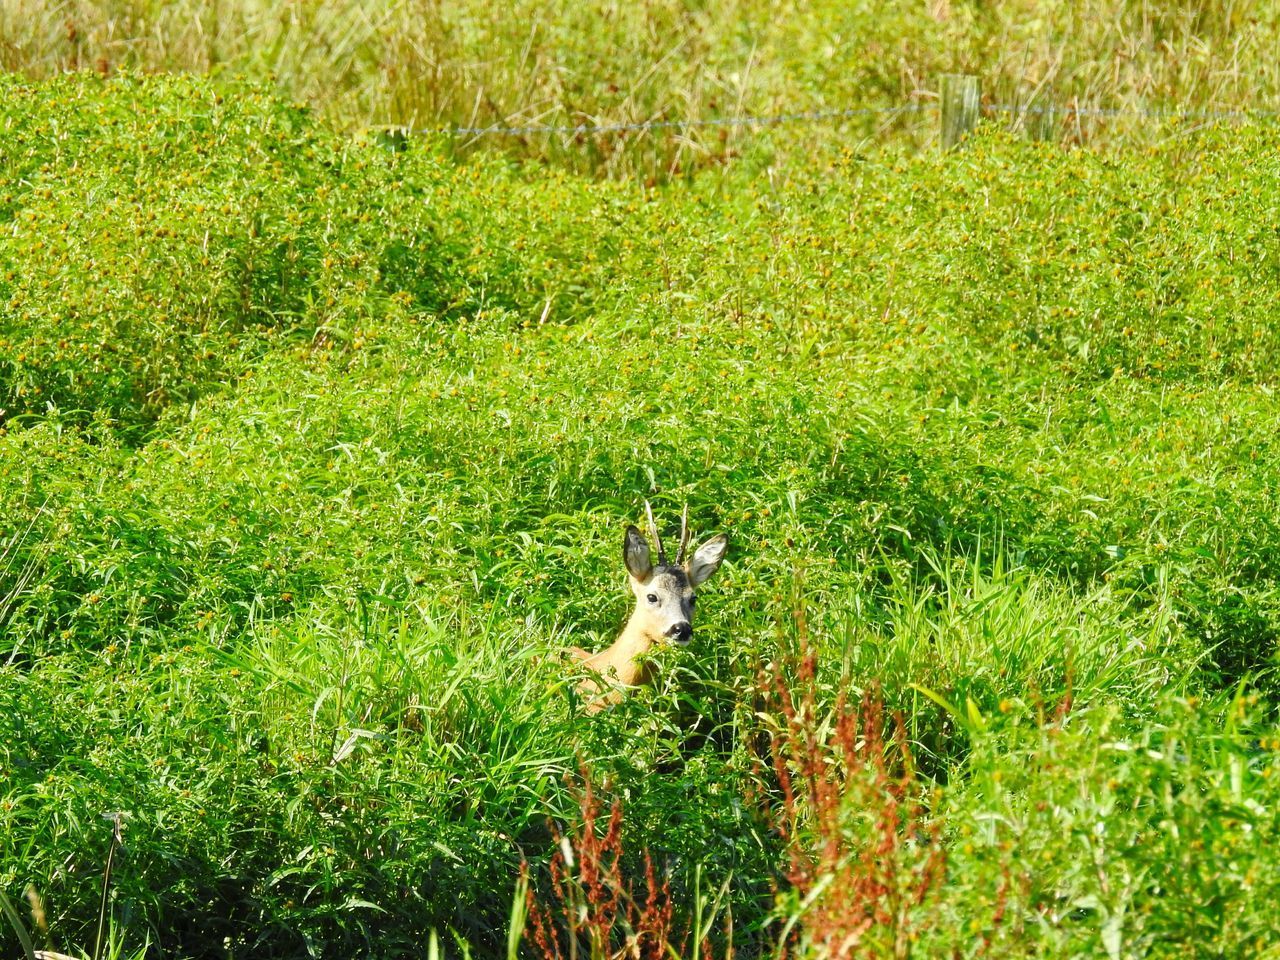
1156	113
814	116
748	121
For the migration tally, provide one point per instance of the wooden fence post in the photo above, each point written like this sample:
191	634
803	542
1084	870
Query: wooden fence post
961	105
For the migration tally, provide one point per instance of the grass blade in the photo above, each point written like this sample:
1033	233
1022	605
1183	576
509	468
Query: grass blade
15	921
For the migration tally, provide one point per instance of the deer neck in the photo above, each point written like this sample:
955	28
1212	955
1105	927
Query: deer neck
622	658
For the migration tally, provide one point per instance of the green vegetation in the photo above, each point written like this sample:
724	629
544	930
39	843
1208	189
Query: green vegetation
314	452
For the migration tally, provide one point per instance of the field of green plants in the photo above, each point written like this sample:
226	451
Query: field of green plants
317	449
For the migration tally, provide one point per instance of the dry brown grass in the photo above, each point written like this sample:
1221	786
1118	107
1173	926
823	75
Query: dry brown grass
429	64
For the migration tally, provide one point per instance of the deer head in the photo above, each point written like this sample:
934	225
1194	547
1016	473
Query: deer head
663	613
666	592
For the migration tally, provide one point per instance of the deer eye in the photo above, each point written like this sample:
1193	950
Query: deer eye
652	598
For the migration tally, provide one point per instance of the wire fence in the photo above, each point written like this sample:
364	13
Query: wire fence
1155	113
1040	111
772	120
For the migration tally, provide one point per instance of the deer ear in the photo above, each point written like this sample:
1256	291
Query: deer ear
706	559
635	554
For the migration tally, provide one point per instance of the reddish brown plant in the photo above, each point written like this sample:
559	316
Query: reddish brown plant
863	855
591	908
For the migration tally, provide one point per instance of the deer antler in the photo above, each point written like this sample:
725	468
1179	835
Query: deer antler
684	535
653	532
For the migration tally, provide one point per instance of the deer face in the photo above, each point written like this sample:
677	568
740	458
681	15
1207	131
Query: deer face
665	593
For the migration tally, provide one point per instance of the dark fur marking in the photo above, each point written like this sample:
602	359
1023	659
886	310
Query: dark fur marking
679	580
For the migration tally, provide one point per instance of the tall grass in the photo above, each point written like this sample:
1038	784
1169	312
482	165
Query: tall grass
19	562
423	64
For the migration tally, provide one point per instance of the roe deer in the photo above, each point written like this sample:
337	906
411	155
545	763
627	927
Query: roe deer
664	608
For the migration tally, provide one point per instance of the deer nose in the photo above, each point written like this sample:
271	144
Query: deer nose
681	632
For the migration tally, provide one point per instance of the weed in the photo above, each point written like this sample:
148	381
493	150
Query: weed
594	908
864	856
